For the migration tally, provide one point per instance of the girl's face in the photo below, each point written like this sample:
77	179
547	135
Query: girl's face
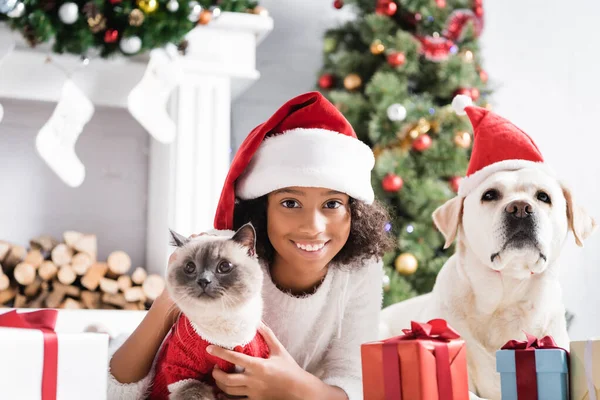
308	226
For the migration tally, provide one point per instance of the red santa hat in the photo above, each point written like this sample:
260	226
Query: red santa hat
307	143
498	145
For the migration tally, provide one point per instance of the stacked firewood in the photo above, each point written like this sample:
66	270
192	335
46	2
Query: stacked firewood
67	274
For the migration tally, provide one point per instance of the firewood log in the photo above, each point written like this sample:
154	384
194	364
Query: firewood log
109	286
139	306
88	244
15	256
4	281
153	286
44	244
69	290
7	295
135	294
94	274
81	262
124	282
56	296
24	273
34	257
38	301
139	276
118	263
71	304
48	270
114	299
72	237
33	288
20	301
62	255
66	275
4	249
91	300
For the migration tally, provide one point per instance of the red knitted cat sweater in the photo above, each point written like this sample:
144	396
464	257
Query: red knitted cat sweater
183	356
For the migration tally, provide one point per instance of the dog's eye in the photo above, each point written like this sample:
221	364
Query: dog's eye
189	268
490	195
543	196
224	267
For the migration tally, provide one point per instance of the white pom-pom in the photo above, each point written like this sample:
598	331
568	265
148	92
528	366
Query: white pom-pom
460	102
396	112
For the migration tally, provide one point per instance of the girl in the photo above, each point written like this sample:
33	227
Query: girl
304	181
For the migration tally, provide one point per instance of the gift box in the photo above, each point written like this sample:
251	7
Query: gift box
428	362
584	364
533	369
38	363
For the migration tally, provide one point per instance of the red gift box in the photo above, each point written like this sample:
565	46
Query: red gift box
428	362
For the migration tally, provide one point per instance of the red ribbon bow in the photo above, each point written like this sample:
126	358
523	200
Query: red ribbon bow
436	330
525	362
43	320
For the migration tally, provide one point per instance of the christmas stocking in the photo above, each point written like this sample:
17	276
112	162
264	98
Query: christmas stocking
55	142
148	100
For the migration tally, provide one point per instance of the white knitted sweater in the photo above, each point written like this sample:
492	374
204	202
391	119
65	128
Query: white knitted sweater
322	332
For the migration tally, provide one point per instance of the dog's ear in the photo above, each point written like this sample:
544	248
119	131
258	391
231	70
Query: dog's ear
580	223
447	219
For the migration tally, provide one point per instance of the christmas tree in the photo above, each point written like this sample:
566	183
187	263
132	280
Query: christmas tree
393	72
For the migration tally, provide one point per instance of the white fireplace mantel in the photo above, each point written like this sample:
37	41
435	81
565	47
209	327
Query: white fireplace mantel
186	176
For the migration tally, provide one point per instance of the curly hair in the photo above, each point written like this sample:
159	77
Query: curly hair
368	237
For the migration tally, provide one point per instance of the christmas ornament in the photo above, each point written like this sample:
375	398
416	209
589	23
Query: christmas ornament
396	59
115	1
463	139
136	17
147	6
422	143
173	5
455	183
195	10
479	11
111	35
338	4
130	45
483	76
259	10
326	81
205	17
215	12
55	142
475	94
377	47
18	11
406	264
463	91
436	49
352	81
458	20
329	44
440	3
68	13
385	283
392	183
468	56
7	6
386	7
97	24
162	75
396	112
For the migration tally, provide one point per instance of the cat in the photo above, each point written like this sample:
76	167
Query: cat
216	282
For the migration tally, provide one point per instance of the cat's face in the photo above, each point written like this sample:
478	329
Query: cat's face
214	271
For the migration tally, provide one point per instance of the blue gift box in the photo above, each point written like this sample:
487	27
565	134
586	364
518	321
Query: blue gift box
552	374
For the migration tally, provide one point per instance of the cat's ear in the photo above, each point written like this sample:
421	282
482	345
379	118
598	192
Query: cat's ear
246	236
177	240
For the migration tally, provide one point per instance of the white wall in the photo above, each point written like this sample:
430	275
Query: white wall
543	57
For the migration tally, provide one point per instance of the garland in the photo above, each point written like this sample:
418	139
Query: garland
108	27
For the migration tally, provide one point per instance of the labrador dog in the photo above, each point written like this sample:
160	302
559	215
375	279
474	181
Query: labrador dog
503	278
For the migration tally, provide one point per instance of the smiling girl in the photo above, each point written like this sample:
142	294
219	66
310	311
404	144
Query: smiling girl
304	181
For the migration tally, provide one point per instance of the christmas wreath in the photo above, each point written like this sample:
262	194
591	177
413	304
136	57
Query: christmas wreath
111	27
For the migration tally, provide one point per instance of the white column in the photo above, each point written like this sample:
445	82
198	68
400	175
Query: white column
186	177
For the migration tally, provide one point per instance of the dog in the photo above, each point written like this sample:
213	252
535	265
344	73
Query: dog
503	277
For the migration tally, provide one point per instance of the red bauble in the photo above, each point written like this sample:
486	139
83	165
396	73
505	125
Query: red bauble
422	143
386	7
396	59
326	81
475	94
479	11
338	4
392	183
111	35
440	3
455	183
483	76
115	1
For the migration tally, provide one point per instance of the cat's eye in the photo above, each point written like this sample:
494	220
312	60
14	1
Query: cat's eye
189	268
490	195
543	197
224	267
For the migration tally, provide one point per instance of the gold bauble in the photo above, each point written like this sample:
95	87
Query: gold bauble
377	47
352	81
259	10
463	139
97	23
205	17
148	6
136	17
423	126
468	56
414	133
406	264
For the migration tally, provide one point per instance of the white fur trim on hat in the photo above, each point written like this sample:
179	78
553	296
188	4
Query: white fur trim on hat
309	158
469	183
460	102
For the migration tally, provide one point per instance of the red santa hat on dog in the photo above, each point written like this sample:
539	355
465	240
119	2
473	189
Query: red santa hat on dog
307	143
498	145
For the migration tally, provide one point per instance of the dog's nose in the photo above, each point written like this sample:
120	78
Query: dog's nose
204	282
519	209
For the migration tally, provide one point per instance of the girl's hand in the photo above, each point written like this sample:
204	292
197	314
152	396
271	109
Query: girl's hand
278	377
